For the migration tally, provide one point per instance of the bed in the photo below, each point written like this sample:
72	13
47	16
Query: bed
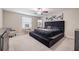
51	34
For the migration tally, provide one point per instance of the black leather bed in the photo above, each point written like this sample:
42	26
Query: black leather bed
52	33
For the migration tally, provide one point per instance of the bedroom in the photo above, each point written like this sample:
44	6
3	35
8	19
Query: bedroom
16	19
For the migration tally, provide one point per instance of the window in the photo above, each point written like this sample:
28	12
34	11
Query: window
26	22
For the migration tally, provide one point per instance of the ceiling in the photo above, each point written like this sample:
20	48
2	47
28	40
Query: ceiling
32	12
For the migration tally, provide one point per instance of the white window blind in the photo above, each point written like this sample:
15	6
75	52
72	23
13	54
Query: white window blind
26	22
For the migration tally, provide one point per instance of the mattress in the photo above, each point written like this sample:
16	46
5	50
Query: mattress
48	32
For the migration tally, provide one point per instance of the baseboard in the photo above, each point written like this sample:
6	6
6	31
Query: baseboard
69	37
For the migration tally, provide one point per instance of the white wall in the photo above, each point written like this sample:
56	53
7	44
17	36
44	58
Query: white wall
71	17
1	18
12	20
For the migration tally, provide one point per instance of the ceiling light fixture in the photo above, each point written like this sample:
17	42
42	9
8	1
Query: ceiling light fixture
41	10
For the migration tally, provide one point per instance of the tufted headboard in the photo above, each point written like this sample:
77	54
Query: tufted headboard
59	24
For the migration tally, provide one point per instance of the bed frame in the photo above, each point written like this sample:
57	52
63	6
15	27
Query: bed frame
49	41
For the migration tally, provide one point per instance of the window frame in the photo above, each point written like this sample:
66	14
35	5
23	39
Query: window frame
30	22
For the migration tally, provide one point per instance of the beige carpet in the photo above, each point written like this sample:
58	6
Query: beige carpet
27	43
